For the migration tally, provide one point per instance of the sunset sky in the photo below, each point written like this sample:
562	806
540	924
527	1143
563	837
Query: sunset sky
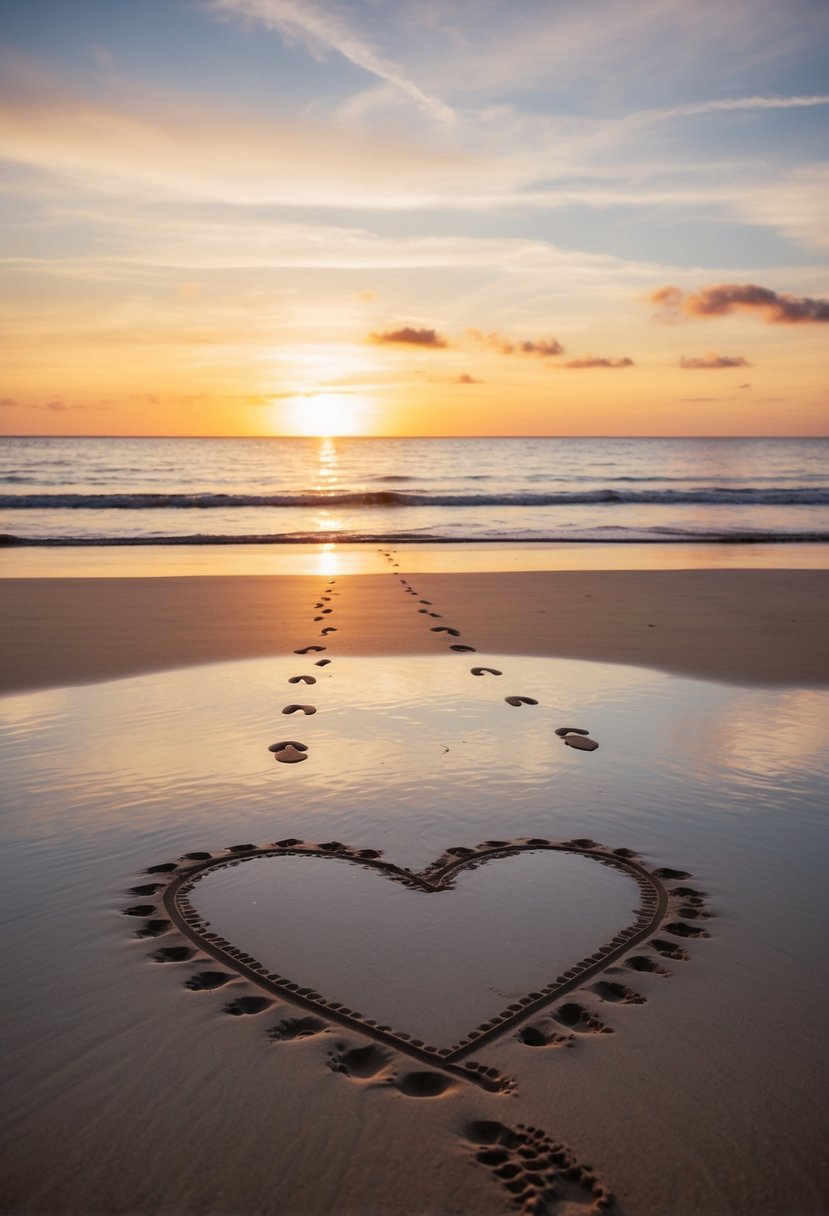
551	217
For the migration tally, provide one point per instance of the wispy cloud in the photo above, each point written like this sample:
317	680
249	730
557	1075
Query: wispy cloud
586	361
176	147
408	336
712	361
543	347
322	31
737	103
724	298
794	203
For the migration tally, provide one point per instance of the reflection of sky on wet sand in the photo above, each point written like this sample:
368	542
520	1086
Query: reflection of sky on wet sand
412	756
400	743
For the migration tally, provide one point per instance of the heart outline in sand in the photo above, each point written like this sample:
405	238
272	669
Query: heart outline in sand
656	904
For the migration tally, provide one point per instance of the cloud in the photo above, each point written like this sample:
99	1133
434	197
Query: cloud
794	204
408	336
154	144
544	347
712	360
724	298
597	361
738	103
322	32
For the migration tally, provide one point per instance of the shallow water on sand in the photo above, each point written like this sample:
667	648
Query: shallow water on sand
411	756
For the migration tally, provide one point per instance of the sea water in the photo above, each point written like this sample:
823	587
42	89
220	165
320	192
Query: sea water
257	490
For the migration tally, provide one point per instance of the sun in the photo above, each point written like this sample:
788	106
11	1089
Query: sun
325	415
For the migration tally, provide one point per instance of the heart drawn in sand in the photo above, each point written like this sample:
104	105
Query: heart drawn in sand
435	963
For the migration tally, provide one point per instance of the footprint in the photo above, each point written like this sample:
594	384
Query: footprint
328	629
541	1176
669	950
302	680
640	962
173	954
480	671
606	990
154	928
463	649
358	1063
308	649
543	1034
455	633
140	910
583	742
298	1028
424	1084
150	889
520	701
208	981
289	751
571	730
305	709
322	662
246	1006
681	930
582	1021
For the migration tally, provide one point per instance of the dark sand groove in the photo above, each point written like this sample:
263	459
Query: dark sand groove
656	906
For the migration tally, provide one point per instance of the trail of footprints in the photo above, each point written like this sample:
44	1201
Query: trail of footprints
291	751
573	736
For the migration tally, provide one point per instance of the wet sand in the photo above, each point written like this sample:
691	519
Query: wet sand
673	1067
765	627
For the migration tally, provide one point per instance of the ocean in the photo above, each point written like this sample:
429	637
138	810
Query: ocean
127	491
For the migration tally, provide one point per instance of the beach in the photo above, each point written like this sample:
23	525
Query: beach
137	719
749	626
414	569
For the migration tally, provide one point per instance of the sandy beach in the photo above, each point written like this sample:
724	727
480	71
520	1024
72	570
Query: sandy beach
749	626
447	965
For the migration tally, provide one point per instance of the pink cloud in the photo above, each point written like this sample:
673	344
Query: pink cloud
712	360
724	298
407	336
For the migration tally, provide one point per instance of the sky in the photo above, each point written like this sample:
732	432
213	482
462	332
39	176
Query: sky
443	217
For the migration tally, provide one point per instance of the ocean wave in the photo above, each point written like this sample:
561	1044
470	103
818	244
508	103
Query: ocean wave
711	495
610	536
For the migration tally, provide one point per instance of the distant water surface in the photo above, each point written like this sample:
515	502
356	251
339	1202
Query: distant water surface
235	491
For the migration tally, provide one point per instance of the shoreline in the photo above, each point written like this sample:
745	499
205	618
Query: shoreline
761	627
